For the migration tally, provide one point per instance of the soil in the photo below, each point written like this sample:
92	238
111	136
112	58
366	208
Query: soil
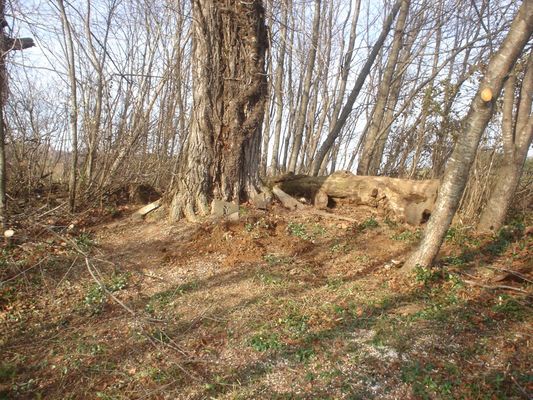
278	305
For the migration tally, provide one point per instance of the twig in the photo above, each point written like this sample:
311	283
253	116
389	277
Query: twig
495	287
52	210
509	271
524	392
23	272
66	273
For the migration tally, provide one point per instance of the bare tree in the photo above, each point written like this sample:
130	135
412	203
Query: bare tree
73	103
335	130
306	89
370	158
517	132
480	112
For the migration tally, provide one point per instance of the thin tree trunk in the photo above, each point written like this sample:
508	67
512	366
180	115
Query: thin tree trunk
370	159
358	85
278	90
476	121
306	89
73	106
517	134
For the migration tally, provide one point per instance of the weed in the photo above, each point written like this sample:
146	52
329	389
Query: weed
334	283
318	230
505	236
459	236
95	299
295	324
510	307
390	223
407	236
267	278
92	349
162	299
5	257
426	275
369	223
112	211
303	355
259	224
298	230
7	371
339	247
118	282
273	260
265	341
84	241
425	382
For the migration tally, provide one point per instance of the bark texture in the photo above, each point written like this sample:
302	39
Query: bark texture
220	158
476	121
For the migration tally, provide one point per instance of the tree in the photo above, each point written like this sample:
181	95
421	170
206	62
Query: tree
220	158
371	157
6	44
476	121
304	102
335	131
517	132
73	104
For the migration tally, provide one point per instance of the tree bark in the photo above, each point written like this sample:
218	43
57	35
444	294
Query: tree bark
476	121
220	158
517	131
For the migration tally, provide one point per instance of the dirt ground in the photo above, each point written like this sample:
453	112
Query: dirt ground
279	305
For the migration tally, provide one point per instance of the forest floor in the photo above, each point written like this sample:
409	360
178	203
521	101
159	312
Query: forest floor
279	305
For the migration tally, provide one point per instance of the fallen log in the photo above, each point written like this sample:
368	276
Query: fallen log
406	200
140	213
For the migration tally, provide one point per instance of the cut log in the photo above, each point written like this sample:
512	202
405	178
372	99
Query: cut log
140	213
403	199
321	200
288	202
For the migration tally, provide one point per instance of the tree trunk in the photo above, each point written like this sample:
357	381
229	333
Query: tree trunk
370	159
278	90
358	85
476	121
517	131
306	89
220	158
73	100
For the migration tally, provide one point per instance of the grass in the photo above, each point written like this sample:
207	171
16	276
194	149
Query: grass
305	232
407	236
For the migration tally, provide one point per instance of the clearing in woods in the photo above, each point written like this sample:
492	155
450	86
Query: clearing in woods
278	305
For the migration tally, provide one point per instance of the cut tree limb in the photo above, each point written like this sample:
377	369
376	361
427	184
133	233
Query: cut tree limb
288	201
140	213
406	200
